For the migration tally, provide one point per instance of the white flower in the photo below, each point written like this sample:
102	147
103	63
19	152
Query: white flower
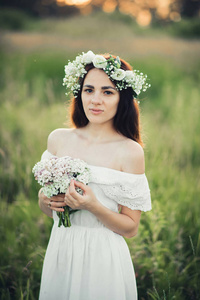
118	74
55	174
76	69
78	59
99	62
129	75
88	57
70	70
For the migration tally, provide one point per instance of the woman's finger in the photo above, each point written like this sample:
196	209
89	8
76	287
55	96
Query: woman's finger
58	209
58	198
71	189
80	185
58	206
69	199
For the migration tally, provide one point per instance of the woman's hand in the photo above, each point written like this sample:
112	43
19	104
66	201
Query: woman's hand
126	223
76	201
54	203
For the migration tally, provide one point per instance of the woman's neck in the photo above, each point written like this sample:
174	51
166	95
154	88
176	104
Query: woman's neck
98	133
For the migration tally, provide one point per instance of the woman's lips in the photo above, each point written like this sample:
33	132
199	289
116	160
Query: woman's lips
96	111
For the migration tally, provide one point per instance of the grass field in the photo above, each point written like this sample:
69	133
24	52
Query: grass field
166	251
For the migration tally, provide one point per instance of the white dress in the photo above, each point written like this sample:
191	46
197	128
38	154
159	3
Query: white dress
88	261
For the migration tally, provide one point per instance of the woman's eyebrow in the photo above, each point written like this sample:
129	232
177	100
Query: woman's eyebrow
103	87
108	87
89	86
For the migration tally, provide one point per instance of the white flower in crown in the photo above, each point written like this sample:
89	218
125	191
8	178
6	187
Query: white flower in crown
70	69
79	59
111	66
99	62
129	75
118	74
88	57
81	72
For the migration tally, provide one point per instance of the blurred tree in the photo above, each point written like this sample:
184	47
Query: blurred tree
190	8
40	8
144	11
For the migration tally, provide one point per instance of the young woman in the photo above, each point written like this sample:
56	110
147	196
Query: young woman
90	260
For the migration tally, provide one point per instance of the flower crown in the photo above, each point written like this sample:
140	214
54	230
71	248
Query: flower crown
123	79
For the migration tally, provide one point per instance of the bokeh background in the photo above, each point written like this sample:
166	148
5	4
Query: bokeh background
158	37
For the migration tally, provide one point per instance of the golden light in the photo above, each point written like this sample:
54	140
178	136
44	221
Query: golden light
86	9
163	12
142	10
74	2
109	6
163	8
153	4
144	17
175	16
129	8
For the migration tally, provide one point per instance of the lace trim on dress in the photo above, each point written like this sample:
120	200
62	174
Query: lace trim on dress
130	190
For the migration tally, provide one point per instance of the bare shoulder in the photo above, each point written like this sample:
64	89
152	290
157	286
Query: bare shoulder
133	157
56	137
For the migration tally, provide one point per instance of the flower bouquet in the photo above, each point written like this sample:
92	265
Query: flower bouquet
54	175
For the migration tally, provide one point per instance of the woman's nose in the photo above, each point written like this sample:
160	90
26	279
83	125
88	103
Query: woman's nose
96	99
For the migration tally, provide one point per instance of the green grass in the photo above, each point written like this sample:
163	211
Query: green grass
166	251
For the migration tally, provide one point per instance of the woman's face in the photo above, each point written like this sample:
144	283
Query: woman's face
100	97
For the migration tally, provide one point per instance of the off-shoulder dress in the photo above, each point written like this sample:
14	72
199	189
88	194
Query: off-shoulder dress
88	261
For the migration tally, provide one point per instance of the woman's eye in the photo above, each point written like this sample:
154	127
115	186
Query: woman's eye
88	91
108	92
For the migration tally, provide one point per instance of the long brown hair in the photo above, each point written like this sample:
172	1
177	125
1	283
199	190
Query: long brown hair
127	118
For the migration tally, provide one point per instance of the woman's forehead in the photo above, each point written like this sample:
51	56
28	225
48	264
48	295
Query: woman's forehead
98	77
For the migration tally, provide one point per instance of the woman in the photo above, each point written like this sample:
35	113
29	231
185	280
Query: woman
90	260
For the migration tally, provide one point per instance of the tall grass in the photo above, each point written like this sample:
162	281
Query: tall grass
166	251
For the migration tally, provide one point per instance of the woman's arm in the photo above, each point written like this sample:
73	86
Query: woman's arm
126	223
57	202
